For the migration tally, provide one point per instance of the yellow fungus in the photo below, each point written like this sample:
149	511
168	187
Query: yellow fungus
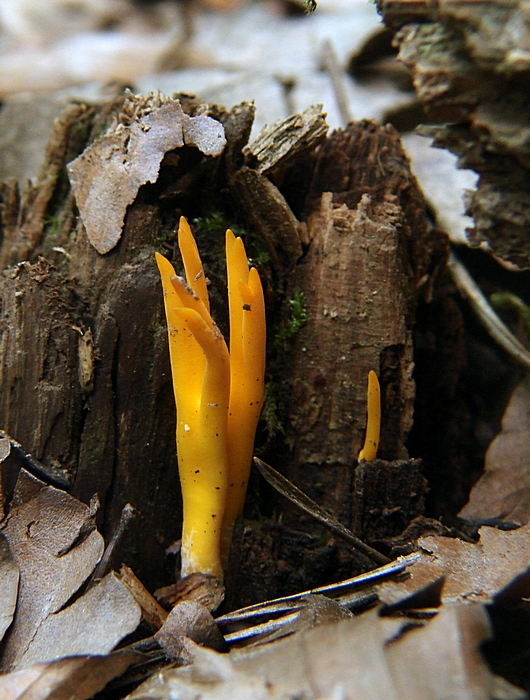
247	368
218	396
373	420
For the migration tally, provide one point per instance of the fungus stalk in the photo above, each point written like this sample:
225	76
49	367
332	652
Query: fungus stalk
218	397
373	420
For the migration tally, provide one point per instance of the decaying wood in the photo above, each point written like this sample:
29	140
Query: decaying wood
471	64
152	612
86	384
388	496
360	280
281	143
270	215
41	402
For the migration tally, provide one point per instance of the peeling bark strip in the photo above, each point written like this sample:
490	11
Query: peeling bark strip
106	177
471	63
368	248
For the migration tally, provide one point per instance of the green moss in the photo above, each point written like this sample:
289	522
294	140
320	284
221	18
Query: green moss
217	222
52	227
297	319
271	409
162	236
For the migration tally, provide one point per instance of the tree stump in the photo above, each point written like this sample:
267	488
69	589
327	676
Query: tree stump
85	369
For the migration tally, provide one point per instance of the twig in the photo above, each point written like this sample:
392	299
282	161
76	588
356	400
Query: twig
299	498
332	66
250	622
127	518
493	324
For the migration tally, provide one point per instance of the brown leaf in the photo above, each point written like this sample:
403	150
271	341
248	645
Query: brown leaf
368	657
9	576
94	624
192	620
106	177
47	535
442	659
75	678
504	489
471	572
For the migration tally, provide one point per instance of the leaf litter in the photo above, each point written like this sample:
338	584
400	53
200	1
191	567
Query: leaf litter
9	577
75	678
370	656
50	537
421	641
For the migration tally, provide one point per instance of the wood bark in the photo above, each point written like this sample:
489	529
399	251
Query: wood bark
471	68
361	278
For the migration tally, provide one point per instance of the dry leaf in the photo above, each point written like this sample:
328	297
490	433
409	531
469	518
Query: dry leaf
469	572
93	624
192	620
53	542
106	177
442	659
368	657
9	576
75	678
302	665
504	489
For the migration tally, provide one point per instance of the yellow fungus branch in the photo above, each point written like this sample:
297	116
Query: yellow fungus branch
373	420
218	396
247	369
192	262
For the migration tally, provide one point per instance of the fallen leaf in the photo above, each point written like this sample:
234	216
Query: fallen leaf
55	546
465	571
93	624
503	491
369	657
106	177
192	620
302	665
76	678
442	659
9	576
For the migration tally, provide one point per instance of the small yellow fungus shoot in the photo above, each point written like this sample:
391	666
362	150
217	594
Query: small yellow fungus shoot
218	396
373	420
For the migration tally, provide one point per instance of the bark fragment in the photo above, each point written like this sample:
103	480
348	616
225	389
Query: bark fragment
471	64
